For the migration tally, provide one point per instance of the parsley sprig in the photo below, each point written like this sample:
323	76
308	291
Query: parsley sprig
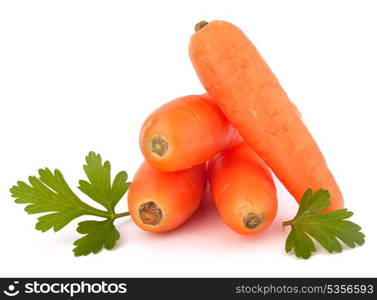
49	193
328	228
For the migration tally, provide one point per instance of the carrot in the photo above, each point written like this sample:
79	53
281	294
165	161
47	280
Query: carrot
185	132
250	96
162	201
243	189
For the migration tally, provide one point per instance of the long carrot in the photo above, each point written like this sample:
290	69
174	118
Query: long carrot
185	132
250	96
243	189
162	201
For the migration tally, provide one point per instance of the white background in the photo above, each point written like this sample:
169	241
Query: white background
77	76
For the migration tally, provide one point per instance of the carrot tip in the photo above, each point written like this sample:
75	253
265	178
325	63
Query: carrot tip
252	221
158	146
200	25
150	213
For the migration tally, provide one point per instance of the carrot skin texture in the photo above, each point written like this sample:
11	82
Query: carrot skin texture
240	184
194	128
177	194
250	96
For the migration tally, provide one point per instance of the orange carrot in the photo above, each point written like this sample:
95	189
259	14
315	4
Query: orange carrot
250	96
160	201
185	132
243	189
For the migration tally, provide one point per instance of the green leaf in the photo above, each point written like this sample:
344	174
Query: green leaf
328	228
301	243
119	187
99	187
98	235
311	204
51	193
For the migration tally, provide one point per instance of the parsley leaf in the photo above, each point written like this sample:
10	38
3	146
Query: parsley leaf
327	228
99	234
49	193
99	187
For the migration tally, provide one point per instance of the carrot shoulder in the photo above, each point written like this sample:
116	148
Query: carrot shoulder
243	190
250	96
185	132
162	201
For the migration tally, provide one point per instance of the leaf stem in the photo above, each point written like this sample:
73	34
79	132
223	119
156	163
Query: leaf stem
286	223
95	212
124	214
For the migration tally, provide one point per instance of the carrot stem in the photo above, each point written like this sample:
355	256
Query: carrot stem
150	213
200	25
252	220
159	146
